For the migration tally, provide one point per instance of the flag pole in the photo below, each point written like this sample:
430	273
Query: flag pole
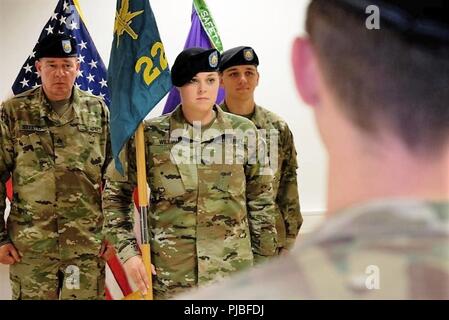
143	207
142	191
78	8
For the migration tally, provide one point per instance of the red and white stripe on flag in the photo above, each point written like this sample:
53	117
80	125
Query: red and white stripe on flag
117	283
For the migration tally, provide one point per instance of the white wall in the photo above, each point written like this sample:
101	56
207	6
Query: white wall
268	26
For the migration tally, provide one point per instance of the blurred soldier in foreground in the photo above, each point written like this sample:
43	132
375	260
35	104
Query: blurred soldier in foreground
380	99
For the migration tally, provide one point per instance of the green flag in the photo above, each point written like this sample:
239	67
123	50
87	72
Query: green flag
138	73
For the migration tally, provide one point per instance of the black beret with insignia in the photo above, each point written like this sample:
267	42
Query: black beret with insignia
426	22
238	56
191	61
56	46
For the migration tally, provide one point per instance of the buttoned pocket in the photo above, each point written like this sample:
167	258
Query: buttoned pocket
165	178
89	148
33	149
232	179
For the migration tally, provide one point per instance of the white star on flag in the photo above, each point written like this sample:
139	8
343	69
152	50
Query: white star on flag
80	73
37	74
73	25
24	83
81	59
90	77
62	20
93	64
82	45
103	83
77	85
32	55
89	90
49	29
28	68
54	16
65	6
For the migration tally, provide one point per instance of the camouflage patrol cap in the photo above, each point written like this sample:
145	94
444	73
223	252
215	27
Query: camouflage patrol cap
56	46
422	21
238	56
191	61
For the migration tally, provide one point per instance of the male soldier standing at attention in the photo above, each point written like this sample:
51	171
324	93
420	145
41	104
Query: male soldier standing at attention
240	77
55	144
381	102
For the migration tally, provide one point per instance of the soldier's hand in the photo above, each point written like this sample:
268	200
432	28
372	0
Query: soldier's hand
106	251
135	268
9	254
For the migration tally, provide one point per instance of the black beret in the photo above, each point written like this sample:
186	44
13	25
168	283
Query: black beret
425	21
238	56
56	46
191	61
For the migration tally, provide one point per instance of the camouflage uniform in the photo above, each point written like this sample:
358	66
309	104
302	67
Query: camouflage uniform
57	166
285	186
207	219
395	249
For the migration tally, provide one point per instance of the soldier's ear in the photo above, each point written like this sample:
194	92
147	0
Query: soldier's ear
38	65
306	71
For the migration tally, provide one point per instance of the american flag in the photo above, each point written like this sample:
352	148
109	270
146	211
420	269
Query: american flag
91	78
92	74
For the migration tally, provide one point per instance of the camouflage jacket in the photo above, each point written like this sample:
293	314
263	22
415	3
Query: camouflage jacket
279	139
395	249
57	165
206	218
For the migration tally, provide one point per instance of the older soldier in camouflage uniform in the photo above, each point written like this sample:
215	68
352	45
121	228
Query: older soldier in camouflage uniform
211	212
239	77
387	231
54	144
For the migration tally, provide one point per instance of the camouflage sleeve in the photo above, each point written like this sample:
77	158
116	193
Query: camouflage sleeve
108	155
118	207
6	164
260	204
287	197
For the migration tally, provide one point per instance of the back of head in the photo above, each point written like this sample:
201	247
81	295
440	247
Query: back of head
393	78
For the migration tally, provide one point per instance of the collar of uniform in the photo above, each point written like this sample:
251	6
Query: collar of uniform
178	121
405	216
221	118
221	127
46	110
256	117
76	102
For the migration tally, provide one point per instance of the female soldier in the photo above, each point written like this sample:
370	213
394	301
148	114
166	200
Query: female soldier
211	209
